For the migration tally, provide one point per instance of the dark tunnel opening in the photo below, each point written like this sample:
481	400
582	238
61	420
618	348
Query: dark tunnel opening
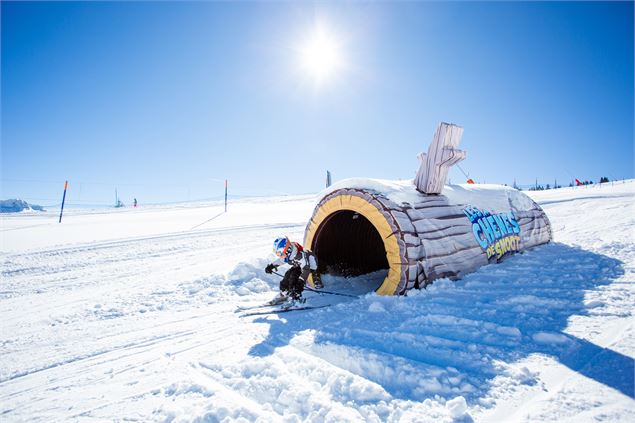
347	244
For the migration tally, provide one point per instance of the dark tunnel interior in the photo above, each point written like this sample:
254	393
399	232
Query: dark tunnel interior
347	244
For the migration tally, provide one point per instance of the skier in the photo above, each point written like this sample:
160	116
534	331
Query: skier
303	262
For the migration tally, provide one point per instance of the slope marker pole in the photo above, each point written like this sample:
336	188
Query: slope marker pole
63	200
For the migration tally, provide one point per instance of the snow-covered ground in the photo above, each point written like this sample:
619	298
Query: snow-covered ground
130	315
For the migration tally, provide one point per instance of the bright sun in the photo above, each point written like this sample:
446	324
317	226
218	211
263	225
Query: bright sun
320	55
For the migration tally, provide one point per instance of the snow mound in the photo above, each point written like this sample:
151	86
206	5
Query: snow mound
244	280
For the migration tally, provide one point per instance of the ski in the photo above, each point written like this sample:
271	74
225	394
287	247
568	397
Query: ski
267	304
243	308
282	310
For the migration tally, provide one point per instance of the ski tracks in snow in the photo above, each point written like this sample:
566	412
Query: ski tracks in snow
145	329
107	322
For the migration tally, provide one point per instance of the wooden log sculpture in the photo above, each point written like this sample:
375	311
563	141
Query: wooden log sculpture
442	155
362	225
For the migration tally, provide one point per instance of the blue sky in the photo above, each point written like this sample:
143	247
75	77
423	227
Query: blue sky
165	100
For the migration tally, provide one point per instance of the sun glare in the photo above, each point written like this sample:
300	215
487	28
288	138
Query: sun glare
320	55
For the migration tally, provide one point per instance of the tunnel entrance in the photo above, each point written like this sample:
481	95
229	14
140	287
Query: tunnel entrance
347	244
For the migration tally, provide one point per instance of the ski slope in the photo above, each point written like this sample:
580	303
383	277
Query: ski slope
130	314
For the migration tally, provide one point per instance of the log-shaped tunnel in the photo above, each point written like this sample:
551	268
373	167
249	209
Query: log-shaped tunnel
347	244
418	237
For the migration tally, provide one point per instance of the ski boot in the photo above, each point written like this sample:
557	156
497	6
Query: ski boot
293	301
317	281
281	298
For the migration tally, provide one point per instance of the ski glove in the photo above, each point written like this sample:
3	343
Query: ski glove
270	268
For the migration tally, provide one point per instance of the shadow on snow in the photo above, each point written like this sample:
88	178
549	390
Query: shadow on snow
455	337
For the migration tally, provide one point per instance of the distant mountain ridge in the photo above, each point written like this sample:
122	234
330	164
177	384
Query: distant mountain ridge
16	205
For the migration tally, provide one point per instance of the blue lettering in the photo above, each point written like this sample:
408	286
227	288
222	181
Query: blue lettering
500	224
477	234
512	220
505	218
490	220
474	214
487	230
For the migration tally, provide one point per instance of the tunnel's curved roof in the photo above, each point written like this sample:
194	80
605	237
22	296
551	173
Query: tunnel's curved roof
487	196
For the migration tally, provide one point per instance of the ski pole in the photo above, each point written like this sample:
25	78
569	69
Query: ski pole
319	291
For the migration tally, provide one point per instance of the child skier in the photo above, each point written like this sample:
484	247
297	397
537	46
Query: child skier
303	262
